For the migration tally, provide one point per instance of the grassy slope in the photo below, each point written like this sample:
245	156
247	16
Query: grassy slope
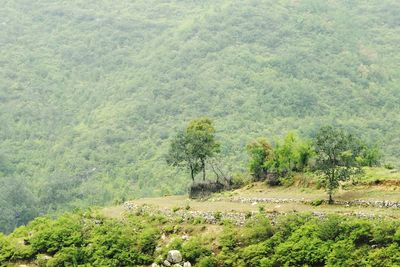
367	190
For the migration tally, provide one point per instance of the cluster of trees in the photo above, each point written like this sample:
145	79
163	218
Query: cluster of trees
295	240
291	154
336	154
103	85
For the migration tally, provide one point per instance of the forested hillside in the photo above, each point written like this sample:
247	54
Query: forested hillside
91	92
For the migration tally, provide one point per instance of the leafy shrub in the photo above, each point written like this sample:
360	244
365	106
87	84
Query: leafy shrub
175	243
217	215
122	243
396	236
198	220
360	232
207	262
261	209
229	238
384	233
317	202
303	247
68	256
252	255
147	240
194	249
341	254
257	229
389	166
51	236
175	209
5	249
329	228
387	256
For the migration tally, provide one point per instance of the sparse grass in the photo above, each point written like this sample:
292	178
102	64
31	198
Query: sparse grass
380	174
303	189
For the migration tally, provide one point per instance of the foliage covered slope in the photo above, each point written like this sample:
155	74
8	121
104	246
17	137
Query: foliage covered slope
91	92
83	239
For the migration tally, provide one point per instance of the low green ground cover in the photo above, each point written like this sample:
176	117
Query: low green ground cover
90	239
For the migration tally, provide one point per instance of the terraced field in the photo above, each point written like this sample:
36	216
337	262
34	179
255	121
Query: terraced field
376	195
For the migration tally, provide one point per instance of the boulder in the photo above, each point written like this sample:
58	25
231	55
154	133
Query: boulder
167	263
42	259
187	264
155	265
174	256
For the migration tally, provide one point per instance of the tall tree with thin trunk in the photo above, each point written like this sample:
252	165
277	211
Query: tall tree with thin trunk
192	147
337	154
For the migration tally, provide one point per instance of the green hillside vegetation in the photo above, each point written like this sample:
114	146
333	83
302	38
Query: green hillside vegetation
92	92
89	239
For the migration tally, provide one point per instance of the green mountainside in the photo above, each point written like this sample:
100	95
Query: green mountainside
91	92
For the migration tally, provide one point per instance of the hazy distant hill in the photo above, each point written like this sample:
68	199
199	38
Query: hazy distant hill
91	91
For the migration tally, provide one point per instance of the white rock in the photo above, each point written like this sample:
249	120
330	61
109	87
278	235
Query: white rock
155	265
187	264
167	263
174	256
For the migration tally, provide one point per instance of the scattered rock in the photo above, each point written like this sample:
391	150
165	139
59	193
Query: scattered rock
174	256
155	265
239	218
167	263
187	264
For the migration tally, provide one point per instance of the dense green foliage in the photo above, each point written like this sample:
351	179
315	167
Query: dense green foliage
285	156
294	240
92	91
78	238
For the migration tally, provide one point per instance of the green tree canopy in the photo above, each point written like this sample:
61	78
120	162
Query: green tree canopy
192	147
337	153
260	152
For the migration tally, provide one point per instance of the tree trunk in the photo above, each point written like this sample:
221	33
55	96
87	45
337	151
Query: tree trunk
203	166
330	199
331	182
192	173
